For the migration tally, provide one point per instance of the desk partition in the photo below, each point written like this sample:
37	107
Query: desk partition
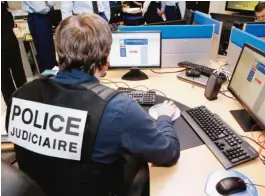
182	42
255	29
237	40
204	19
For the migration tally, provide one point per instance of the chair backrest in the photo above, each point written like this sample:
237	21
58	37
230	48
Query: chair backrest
15	183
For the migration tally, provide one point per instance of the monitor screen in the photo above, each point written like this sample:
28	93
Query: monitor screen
248	82
135	49
241	5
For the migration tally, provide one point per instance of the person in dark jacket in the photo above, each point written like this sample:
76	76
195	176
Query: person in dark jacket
12	75
40	28
151	10
83	43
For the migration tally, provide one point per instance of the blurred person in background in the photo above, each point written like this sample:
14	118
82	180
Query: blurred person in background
174	10
40	28
260	11
12	75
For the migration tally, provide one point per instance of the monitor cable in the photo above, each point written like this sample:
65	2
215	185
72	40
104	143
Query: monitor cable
167	72
223	93
112	82
253	141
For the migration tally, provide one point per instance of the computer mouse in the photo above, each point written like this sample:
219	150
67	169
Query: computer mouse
231	185
192	73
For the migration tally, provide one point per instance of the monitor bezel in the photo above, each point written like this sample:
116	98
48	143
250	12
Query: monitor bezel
251	113
236	10
140	67
184	21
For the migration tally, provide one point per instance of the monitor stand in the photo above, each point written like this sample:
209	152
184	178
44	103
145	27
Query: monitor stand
135	74
245	121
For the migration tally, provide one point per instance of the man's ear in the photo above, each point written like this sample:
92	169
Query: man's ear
106	65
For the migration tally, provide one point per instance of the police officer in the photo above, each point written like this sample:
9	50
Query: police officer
150	12
40	28
75	129
69	8
12	75
174	10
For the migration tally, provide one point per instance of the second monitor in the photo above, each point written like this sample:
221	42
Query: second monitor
135	50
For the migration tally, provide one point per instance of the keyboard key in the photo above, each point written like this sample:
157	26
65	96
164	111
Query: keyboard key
234	160
242	157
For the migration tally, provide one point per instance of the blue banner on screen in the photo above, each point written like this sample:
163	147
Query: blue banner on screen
135	42
261	67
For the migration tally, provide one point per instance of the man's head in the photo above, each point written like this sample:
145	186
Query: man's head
83	42
260	11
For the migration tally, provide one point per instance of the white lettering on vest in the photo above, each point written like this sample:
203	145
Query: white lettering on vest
47	129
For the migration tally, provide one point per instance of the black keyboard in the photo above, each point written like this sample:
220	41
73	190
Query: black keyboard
207	71
141	97
229	148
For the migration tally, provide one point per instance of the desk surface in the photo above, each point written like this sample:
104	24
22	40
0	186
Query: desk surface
189	175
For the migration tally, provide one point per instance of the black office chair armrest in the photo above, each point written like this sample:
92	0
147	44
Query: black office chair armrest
16	183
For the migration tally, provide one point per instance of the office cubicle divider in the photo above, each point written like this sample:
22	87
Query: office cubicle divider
204	19
182	42
255	29
237	40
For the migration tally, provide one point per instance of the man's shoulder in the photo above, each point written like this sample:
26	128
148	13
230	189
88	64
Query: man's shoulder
120	100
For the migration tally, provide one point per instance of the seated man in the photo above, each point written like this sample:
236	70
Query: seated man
70	131
260	11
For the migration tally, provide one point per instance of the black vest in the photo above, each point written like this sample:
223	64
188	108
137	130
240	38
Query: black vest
151	15
57	176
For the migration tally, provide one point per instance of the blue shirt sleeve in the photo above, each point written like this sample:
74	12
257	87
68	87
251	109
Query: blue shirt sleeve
35	7
157	144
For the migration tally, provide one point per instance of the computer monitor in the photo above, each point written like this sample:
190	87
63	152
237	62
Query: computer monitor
256	22
172	22
228	23
247	84
135	50
189	15
243	7
229	20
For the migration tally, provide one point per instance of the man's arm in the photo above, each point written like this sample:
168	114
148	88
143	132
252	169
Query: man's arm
157	144
51	4
67	9
163	6
182	8
106	9
145	6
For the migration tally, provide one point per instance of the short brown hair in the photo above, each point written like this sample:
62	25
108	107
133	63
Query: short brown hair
259	7
82	41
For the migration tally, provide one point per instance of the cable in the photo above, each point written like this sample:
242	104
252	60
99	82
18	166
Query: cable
110	81
166	72
160	92
256	185
142	86
222	93
223	65
253	141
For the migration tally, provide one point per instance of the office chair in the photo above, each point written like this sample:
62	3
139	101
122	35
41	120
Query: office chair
16	183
